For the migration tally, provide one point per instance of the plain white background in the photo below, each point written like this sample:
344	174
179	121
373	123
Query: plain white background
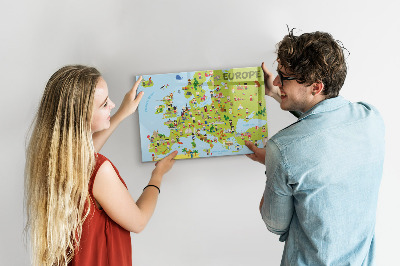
208	208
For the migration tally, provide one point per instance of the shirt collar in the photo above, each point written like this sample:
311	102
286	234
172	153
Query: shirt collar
325	106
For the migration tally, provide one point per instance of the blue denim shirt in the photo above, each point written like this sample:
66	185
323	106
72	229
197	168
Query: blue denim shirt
323	176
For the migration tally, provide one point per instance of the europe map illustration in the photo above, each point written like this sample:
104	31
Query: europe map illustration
202	113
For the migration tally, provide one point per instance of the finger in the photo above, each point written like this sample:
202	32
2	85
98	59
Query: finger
139	97
136	85
250	145
251	156
265	69
172	155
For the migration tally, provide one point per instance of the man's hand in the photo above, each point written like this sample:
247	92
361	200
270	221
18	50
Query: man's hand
258	155
270	89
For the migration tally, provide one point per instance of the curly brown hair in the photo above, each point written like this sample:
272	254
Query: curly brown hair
314	57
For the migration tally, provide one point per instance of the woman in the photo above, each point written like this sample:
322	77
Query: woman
78	207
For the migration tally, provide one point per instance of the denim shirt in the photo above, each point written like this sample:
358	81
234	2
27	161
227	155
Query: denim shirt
323	176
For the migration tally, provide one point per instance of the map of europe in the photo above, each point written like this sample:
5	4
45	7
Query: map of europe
202	113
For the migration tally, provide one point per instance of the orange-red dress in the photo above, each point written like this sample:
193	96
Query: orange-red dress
103	241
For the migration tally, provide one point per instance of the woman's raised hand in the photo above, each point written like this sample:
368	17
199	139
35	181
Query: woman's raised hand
131	100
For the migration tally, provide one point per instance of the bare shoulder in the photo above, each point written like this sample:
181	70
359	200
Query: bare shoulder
106	170
106	181
114	198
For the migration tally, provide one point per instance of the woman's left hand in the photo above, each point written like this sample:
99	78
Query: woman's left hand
131	100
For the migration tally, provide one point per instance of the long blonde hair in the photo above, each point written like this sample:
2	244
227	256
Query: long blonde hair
60	158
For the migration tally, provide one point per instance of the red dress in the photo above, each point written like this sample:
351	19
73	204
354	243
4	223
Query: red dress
103	241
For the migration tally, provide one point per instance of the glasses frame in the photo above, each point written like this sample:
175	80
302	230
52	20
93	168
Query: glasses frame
282	78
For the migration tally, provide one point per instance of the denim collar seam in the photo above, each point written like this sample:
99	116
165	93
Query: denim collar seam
324	109
314	133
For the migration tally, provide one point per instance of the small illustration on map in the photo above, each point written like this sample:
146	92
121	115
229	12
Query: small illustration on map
202	113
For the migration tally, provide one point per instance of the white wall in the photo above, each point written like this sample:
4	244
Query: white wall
208	208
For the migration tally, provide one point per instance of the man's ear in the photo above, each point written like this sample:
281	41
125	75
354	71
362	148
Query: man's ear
317	88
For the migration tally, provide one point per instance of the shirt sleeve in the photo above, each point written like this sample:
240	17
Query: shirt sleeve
277	209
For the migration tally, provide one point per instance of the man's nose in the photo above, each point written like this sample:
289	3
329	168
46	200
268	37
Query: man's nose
277	81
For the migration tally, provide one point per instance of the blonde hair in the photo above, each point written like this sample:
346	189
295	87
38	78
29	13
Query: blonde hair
60	159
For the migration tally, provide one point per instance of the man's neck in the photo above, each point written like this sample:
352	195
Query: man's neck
316	100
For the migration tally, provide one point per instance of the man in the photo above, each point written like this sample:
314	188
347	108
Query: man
323	171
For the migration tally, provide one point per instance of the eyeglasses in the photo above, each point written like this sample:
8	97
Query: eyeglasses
282	78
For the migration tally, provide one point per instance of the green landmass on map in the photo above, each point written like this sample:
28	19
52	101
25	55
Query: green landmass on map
233	97
147	83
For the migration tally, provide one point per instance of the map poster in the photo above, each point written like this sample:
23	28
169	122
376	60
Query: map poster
202	113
